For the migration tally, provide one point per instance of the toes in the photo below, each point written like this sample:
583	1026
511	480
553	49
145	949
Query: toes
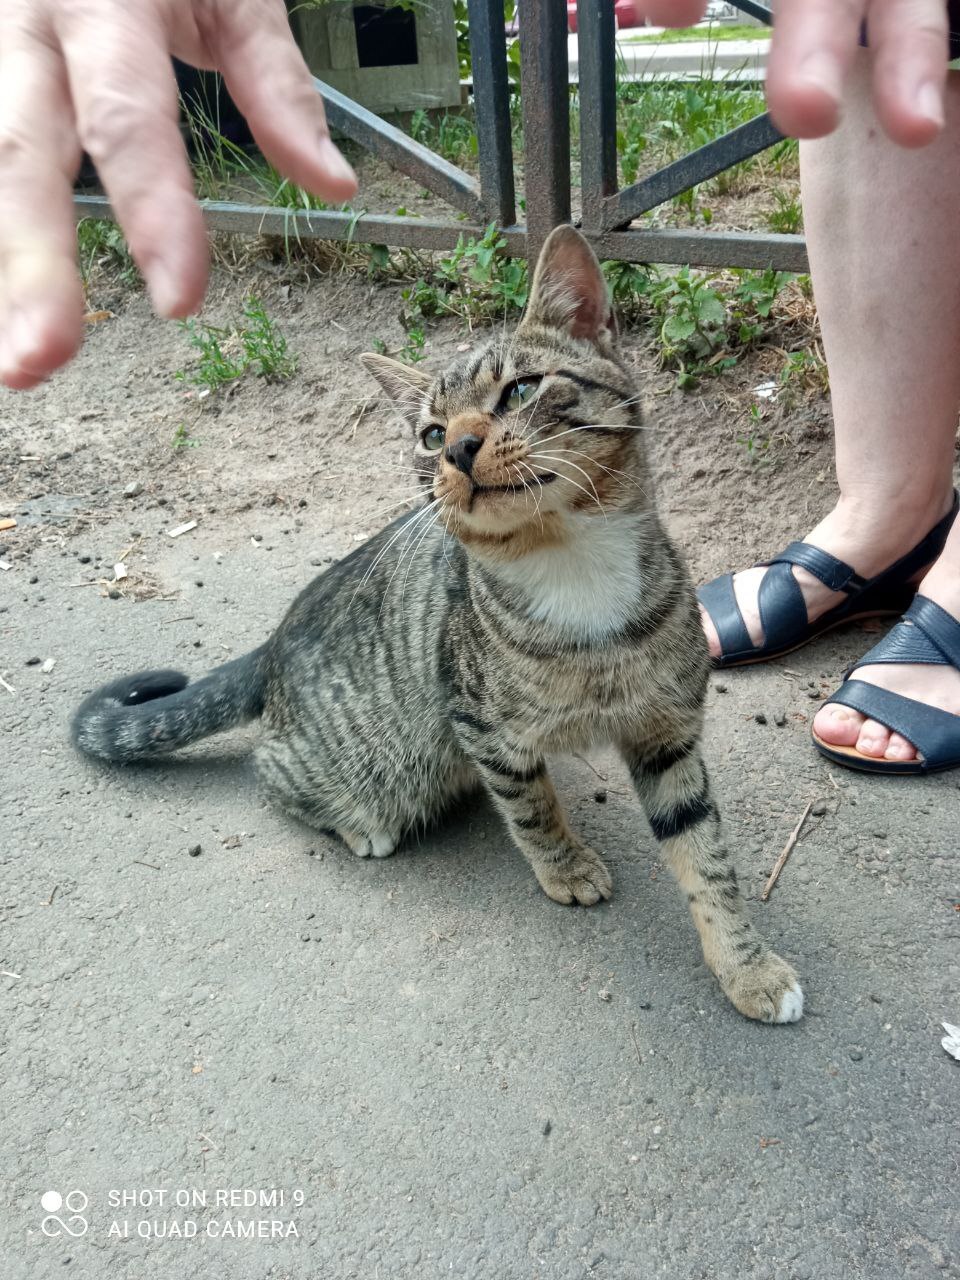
586	894
874	739
899	748
791	1006
357	844
766	990
838	725
586	883
382	844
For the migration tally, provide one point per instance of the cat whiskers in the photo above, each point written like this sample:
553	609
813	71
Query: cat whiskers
415	527
404	528
611	471
430	525
534	489
567	463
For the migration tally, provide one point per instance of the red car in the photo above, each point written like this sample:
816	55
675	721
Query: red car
625	14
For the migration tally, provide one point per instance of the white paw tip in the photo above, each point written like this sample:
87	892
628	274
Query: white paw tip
383	846
791	1006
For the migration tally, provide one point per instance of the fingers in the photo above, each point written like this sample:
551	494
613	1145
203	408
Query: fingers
125	99
270	83
814	42
41	299
670	13
909	40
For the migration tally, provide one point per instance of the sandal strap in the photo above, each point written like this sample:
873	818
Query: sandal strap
935	733
933	639
833	573
783	610
720	601
941	628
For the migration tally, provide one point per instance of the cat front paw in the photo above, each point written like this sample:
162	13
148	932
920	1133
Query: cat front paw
766	990
582	878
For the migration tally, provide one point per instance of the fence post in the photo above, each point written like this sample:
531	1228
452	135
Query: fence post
545	99
596	37
491	102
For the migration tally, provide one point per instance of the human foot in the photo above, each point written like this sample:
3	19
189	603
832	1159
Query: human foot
870	542
935	686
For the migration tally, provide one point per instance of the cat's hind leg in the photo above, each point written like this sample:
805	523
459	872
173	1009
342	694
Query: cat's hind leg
673	786
373	844
296	787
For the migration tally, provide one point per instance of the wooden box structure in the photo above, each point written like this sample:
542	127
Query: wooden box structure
388	57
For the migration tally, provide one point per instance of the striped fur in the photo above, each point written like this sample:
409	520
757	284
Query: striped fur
532	605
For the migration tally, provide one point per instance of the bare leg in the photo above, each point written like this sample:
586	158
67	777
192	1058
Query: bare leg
881	227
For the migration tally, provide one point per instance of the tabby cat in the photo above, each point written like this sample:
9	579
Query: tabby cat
534	604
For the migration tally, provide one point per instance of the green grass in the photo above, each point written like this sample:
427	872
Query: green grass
452	136
658	122
713	32
254	344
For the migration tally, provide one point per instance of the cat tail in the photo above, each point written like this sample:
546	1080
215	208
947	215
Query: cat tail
157	711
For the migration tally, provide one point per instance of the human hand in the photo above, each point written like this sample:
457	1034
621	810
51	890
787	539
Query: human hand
96	75
814	43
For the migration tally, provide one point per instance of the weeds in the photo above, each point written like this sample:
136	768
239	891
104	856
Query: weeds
101	246
757	448
453	136
703	322
182	438
804	374
224	355
413	350
787	217
657	116
477	281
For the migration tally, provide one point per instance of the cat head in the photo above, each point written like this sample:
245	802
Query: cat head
515	437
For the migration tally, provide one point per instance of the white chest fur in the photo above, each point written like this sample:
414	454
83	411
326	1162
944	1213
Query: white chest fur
588	587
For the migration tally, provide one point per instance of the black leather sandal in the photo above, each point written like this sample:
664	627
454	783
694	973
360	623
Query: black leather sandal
783	610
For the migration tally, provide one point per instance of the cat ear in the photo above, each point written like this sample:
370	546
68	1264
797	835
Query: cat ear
569	291
405	384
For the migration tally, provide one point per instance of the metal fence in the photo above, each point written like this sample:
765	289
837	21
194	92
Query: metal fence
607	210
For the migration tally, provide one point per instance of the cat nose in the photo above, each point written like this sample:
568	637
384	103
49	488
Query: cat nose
462	452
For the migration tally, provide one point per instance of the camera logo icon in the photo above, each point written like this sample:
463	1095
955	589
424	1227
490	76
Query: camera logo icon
74	1202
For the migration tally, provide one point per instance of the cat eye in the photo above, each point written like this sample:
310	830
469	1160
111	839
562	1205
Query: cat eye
432	439
515	397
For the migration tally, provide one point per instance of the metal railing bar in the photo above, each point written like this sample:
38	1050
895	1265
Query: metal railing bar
400	151
756	250
698	248
706	162
327	224
596	41
491	101
754	10
545	102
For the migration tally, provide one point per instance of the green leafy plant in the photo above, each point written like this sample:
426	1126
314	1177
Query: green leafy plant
182	438
498	283
629	285
226	354
693	318
757	449
787	217
413	350
754	297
